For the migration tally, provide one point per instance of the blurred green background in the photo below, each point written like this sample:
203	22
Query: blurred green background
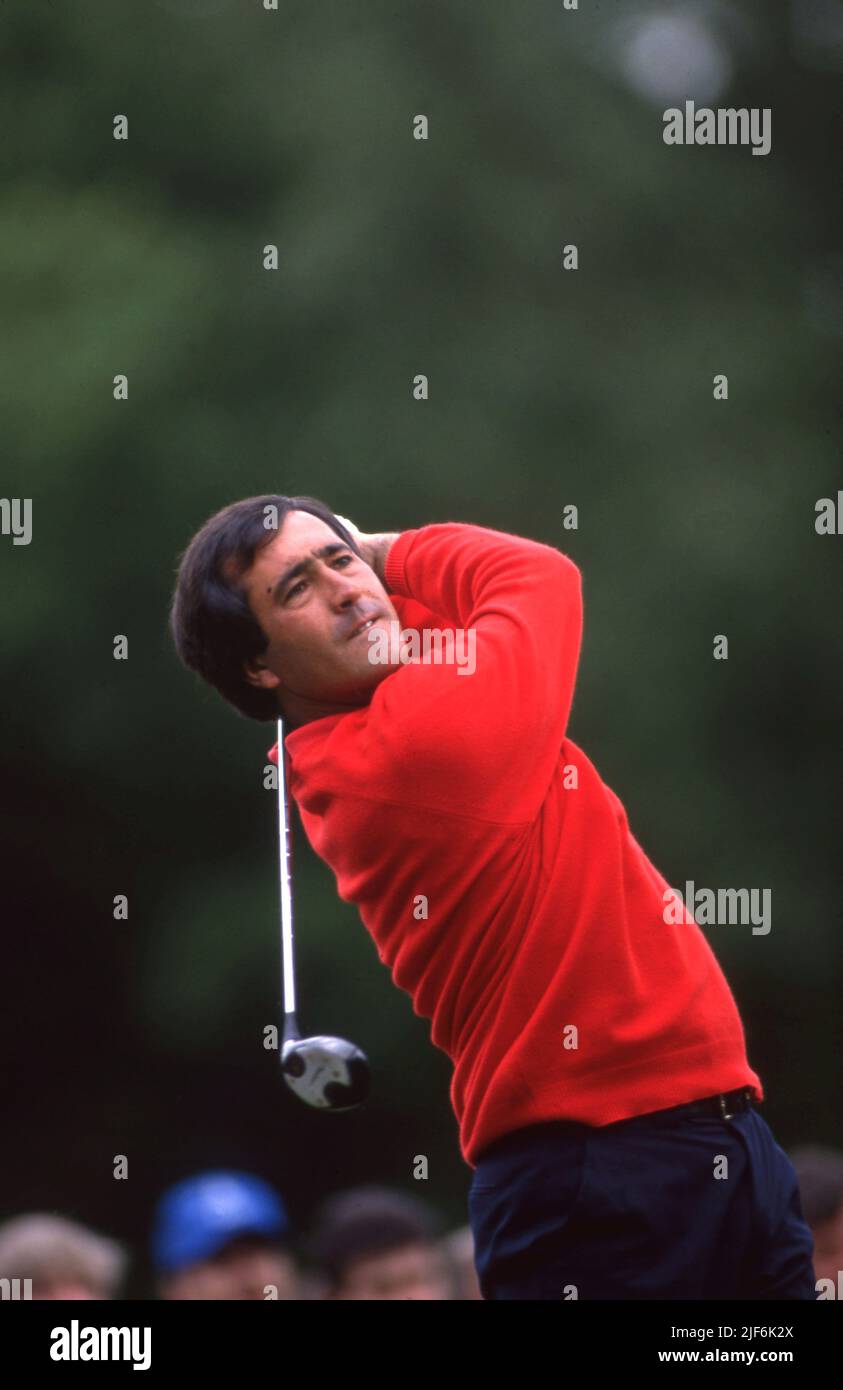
593	387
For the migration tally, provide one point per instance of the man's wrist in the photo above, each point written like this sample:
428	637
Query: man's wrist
375	550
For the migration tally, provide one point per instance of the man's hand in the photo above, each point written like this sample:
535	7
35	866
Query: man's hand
374	548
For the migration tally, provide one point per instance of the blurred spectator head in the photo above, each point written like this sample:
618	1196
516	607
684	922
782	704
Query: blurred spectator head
458	1249
373	1243
820	1173
222	1235
63	1259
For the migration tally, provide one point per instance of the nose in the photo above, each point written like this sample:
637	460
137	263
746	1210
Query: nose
343	590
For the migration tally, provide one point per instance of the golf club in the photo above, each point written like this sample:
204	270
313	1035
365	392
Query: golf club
325	1072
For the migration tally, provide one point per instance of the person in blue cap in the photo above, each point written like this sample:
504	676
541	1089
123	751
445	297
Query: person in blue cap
222	1235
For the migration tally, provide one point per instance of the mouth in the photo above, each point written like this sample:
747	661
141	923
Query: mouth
363	627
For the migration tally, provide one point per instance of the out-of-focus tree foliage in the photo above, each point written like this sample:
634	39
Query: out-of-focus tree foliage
249	127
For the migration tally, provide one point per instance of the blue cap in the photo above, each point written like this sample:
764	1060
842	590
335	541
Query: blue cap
197	1217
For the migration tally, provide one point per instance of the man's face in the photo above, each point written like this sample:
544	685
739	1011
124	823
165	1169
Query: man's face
416	1272
244	1269
63	1290
311	660
828	1248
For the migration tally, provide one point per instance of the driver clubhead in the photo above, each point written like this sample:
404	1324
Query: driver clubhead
326	1073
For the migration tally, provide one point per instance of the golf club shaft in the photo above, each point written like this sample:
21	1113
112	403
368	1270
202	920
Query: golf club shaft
288	981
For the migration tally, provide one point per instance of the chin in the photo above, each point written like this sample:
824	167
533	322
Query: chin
368	682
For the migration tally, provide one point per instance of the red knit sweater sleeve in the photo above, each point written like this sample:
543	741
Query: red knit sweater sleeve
486	743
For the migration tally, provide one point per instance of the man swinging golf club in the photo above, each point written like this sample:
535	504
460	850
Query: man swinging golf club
600	1083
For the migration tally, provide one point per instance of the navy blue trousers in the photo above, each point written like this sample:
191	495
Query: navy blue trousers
634	1210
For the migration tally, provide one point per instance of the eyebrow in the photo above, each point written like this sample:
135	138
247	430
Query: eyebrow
323	553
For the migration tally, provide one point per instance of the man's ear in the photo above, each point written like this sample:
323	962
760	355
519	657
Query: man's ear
258	674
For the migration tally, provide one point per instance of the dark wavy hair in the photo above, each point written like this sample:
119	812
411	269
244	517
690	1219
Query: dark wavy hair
213	627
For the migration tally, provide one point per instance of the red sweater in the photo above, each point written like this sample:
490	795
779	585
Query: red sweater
542	910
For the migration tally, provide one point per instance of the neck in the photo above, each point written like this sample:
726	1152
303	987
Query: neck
298	710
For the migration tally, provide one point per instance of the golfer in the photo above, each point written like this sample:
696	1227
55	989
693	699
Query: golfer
600	1079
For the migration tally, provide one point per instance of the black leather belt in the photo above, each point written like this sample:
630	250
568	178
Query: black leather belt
722	1106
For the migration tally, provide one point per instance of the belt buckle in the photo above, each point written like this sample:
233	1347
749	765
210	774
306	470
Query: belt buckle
725	1113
